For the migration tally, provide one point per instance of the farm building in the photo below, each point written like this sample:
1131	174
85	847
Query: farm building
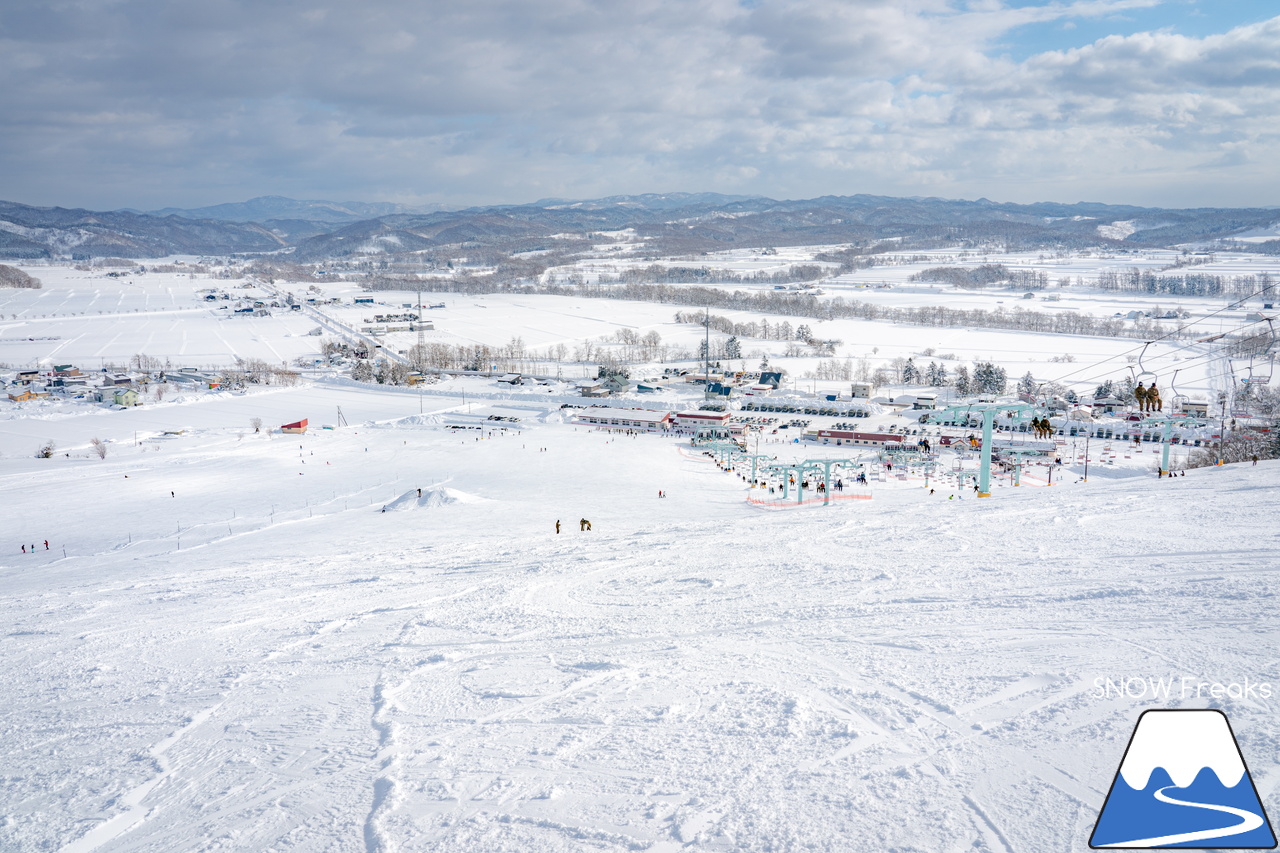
295	428
605	417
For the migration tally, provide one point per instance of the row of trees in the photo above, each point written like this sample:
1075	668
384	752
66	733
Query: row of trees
791	304
663	274
984	275
14	277
807	305
1188	284
984	378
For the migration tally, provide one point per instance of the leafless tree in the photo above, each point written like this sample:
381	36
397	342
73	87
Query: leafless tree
99	447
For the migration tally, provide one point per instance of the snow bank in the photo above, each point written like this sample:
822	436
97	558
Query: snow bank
430	499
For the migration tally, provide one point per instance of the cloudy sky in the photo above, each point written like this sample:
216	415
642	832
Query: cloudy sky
151	103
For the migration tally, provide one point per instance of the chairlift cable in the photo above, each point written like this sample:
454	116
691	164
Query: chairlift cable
1168	334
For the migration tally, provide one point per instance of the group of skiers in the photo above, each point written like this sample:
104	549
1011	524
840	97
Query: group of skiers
583	525
33	547
1042	428
1148	398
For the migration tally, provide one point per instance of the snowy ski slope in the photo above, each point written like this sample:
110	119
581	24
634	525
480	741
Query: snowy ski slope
229	645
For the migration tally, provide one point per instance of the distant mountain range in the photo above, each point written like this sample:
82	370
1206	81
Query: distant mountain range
268	207
313	231
44	232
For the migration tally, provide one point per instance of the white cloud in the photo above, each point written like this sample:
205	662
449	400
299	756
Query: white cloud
142	102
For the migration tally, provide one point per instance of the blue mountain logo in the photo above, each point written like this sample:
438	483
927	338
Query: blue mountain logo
1183	783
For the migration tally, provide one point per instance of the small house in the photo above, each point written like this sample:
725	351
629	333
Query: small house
295	428
718	391
860	390
26	377
1196	410
771	378
125	397
926	401
27	394
616	384
511	379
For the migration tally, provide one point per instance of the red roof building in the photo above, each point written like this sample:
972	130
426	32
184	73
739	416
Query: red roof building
841	437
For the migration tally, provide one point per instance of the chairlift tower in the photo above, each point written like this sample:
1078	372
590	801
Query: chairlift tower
1166	421
755	459
786	471
988	412
826	465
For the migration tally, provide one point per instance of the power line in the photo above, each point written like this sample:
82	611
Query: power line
1176	331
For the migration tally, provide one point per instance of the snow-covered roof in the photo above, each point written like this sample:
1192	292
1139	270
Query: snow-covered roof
643	415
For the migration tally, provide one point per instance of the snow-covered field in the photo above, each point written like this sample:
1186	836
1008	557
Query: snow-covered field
89	319
229	645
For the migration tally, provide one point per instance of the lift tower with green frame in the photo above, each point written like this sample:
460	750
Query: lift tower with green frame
1168	422
988	412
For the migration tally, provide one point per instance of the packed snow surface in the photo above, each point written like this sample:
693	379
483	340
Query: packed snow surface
241	651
